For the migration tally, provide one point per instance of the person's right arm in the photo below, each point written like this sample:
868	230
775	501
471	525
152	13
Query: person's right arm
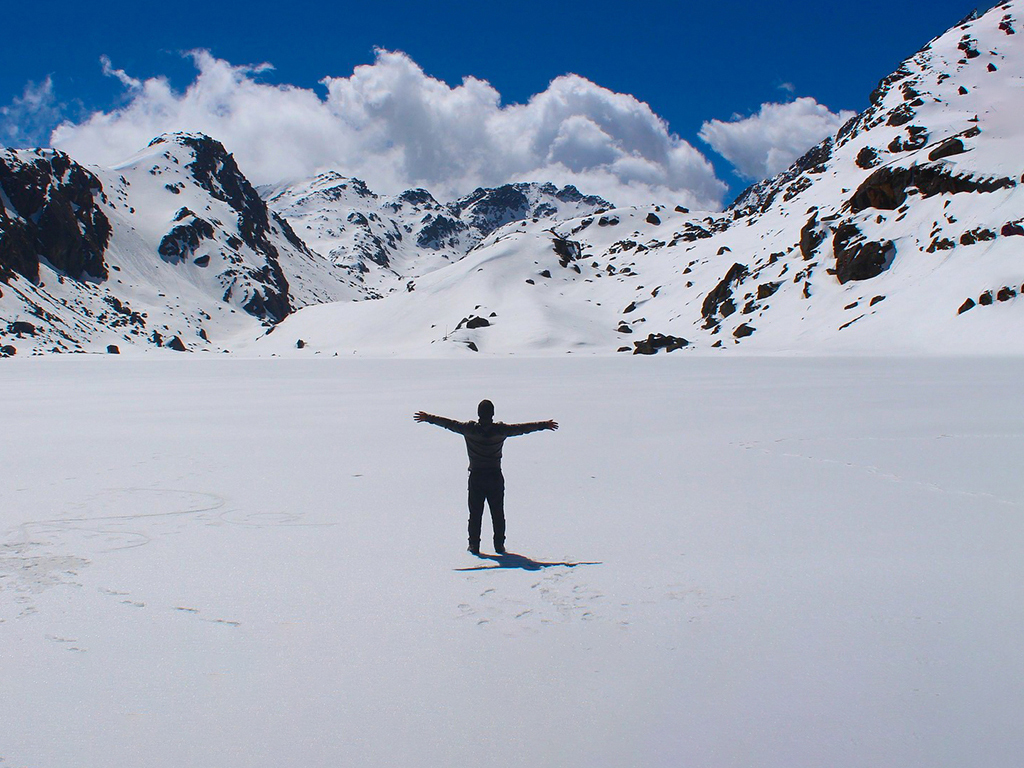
440	421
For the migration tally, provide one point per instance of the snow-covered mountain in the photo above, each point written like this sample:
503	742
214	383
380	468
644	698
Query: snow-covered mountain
384	241
898	233
172	248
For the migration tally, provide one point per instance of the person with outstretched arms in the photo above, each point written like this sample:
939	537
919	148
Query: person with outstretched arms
484	440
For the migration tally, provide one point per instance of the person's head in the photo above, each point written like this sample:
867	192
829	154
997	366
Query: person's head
485	410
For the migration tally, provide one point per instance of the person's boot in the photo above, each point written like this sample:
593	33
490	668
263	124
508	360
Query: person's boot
474	548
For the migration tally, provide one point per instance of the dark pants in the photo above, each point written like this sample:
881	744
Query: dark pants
486	485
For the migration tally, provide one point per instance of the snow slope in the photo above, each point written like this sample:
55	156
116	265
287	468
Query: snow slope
780	563
899	234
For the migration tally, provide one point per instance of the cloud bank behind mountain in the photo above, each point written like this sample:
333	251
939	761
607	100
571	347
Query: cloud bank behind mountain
396	127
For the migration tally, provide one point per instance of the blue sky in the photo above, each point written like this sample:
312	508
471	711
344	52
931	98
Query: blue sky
690	62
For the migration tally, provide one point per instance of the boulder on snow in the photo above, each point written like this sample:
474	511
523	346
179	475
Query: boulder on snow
857	259
657	341
719	298
948	148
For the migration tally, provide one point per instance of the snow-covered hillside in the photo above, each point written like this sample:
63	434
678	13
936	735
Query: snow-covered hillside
900	233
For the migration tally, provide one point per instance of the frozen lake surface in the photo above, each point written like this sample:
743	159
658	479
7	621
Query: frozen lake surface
719	562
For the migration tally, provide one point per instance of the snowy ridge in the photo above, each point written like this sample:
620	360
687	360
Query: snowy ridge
384	241
897	234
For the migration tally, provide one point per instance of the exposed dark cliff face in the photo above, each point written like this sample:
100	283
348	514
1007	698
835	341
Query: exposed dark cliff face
215	171
886	188
49	211
487	209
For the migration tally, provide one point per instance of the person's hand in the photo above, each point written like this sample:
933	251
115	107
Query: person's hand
420	415
550	425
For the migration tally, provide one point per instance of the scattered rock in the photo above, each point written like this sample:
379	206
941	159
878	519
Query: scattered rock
976	235
940	244
743	330
867	158
985	299
948	148
857	259
719	299
567	251
8	351
657	341
176	344
1012	228
300	344
810	238
112	349
968	304
875	300
653	219
21	329
1005	294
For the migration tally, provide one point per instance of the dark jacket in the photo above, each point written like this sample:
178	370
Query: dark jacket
485	439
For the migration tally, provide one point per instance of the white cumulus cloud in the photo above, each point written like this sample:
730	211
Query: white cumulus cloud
396	127
768	142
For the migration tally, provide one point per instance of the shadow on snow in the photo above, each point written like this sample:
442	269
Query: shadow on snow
522	562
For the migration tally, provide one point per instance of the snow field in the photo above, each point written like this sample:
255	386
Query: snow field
784	562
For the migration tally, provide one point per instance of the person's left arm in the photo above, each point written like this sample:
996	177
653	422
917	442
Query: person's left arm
511	430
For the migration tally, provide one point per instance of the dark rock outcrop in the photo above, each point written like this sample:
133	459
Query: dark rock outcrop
215	170
183	240
948	148
656	342
810	238
886	188
857	259
719	299
50	211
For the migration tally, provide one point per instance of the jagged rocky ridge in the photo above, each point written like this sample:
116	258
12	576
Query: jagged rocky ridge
384	241
900	232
